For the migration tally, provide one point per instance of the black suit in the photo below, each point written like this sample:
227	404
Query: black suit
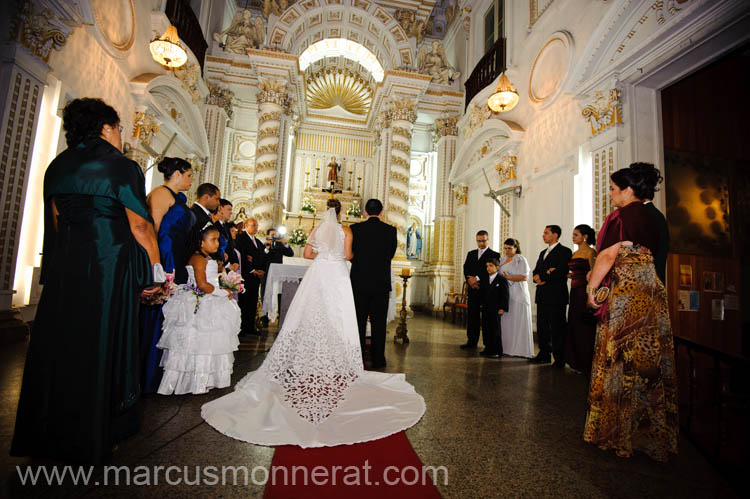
495	297
229	250
373	246
660	255
551	300
201	218
475	266
249	299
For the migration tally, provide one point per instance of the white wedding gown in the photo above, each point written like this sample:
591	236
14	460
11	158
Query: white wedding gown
312	390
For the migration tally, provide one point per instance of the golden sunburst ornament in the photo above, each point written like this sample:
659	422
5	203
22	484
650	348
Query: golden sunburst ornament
333	87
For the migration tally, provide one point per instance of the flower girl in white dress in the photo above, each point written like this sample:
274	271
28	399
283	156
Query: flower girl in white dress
312	390
201	323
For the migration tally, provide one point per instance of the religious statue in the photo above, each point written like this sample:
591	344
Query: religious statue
334	179
241	215
243	33
434	62
413	242
275	7
409	22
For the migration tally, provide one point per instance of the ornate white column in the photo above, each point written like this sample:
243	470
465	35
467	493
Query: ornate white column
604	114
402	114
440	269
273	100
217	113
23	73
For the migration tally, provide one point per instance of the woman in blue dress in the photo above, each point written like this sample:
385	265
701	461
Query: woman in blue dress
173	221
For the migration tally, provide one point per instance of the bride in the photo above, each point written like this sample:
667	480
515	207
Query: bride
312	390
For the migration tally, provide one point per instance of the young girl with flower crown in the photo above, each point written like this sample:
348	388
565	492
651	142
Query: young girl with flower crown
201	323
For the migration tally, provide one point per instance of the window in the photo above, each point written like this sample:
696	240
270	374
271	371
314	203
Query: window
494	24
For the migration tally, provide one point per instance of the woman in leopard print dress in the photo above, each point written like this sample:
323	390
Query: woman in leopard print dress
633	391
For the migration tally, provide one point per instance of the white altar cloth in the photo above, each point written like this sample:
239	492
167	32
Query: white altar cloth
293	270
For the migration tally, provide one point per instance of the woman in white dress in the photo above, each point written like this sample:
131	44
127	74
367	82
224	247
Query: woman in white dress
312	390
517	335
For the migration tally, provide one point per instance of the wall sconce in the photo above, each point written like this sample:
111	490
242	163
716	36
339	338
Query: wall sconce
505	97
167	51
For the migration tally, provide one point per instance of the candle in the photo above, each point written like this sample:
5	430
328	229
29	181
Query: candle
351	167
307	168
359	175
405	272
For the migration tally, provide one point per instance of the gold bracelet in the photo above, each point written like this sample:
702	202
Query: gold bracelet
590	290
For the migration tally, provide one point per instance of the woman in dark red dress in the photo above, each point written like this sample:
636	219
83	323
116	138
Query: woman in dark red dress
579	344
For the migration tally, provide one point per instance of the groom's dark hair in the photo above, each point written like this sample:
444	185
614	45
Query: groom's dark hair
374	207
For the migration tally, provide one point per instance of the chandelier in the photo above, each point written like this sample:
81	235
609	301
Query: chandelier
167	50
505	97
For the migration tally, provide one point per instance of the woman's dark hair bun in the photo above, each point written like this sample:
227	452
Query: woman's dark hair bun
643	178
170	165
335	204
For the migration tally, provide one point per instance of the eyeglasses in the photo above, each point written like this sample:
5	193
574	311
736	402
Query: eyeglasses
119	127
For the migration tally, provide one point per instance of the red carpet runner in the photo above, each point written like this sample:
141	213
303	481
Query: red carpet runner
388	468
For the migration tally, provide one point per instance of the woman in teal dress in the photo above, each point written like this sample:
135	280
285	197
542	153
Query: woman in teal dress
80	383
172	221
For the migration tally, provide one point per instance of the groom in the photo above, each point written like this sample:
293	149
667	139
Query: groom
374	244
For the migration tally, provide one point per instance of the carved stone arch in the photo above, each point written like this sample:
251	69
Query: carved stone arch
364	22
174	109
466	162
631	30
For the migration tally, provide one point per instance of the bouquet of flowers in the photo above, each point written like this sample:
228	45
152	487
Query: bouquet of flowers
233	282
307	206
298	237
354	210
163	294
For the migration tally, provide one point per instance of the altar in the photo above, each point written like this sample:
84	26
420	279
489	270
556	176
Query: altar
284	279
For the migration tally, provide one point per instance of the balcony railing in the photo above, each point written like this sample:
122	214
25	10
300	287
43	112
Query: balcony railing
714	405
181	15
489	67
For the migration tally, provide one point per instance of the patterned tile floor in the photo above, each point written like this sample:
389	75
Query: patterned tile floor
503	428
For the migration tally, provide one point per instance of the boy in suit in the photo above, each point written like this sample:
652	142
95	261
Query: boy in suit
495	296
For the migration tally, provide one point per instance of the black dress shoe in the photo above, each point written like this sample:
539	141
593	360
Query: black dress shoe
379	365
468	346
489	355
559	364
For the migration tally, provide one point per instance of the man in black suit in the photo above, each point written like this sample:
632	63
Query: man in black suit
374	244
475	273
660	254
495	298
208	201
551	278
252	252
277	248
225	213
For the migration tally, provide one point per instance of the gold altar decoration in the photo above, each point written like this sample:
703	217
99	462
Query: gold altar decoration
605	111
506	168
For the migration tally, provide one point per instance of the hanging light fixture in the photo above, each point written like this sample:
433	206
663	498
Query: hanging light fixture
505	97
167	51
